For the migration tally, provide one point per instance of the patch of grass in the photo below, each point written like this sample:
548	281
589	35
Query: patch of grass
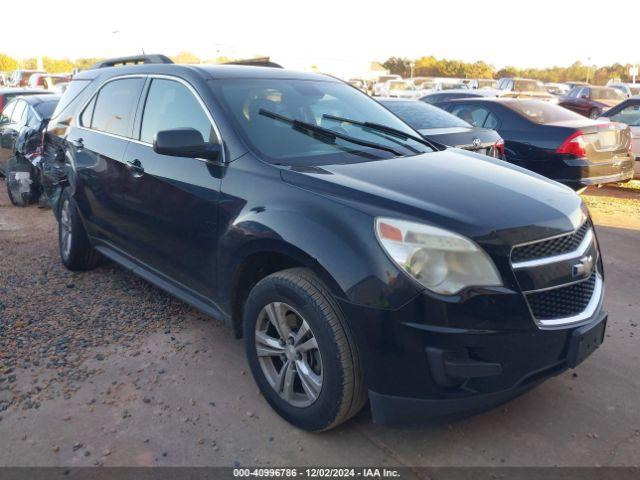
632	185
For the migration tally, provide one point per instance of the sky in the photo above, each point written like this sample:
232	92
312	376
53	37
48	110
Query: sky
531	33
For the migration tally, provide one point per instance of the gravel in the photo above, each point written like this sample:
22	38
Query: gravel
52	319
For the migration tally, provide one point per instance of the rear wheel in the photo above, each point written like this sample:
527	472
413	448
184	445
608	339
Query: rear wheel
22	185
594	113
301	352
75	250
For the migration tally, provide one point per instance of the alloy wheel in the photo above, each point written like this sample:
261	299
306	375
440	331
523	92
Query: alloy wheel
65	229
288	354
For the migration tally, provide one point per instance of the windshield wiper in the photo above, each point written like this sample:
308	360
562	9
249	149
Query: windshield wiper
382	128
305	127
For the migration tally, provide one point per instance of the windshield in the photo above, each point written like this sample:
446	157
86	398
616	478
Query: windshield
529	86
452	86
606	94
399	85
251	104
542	112
423	116
427	85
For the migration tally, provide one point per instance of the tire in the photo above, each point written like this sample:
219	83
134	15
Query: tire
76	252
333	389
23	187
594	113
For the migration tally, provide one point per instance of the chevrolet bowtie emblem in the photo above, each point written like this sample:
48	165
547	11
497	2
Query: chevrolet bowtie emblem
584	267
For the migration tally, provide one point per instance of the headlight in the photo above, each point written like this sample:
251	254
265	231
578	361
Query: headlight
442	261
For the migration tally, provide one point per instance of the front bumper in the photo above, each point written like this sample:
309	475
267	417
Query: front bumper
417	372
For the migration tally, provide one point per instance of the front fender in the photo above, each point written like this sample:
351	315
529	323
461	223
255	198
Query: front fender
336	242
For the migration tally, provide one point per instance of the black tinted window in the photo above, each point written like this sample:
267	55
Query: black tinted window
171	105
116	105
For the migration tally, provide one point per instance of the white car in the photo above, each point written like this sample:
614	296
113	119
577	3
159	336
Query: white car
400	89
379	86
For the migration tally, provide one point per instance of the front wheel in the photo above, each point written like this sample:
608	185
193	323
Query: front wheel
301	351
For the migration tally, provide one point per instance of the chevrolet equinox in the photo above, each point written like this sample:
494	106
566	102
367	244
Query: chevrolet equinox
357	260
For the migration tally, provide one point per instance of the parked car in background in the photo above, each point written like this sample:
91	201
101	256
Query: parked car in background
3	79
20	78
435	124
358	261
623	87
359	83
628	112
22	123
6	94
450	84
553	141
437	97
480	83
48	81
380	84
525	88
557	89
400	89
576	83
591	101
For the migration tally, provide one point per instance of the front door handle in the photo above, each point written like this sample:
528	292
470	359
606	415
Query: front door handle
135	167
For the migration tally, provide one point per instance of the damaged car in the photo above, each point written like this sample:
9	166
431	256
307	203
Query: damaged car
22	123
358	260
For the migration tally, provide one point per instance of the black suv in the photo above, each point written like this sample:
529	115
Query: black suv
358	260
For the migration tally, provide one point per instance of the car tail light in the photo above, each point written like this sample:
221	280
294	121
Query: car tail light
574	145
499	148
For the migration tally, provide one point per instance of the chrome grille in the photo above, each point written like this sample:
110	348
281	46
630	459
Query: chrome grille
548	248
563	301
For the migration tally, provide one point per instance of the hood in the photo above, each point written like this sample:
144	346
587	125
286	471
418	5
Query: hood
461	191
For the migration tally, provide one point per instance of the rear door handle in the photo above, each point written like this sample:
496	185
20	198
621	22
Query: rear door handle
135	167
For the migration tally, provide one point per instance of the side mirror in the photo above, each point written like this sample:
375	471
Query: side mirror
584	96
184	142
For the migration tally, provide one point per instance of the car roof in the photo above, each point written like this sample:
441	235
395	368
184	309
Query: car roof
8	90
480	92
209	72
41	98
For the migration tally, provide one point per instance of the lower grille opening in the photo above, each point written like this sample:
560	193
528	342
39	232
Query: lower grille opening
564	301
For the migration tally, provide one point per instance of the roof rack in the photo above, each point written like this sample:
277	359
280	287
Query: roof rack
256	62
134	60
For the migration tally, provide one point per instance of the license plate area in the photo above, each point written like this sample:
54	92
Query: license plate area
584	341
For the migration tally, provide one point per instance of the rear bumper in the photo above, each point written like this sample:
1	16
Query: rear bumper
578	173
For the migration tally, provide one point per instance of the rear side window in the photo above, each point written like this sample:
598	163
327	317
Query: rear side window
19	113
116	106
6	113
73	90
473	114
172	105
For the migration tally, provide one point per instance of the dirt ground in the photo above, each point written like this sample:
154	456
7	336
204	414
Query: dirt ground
101	368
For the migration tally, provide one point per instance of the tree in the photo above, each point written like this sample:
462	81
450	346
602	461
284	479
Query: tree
398	66
186	57
7	63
